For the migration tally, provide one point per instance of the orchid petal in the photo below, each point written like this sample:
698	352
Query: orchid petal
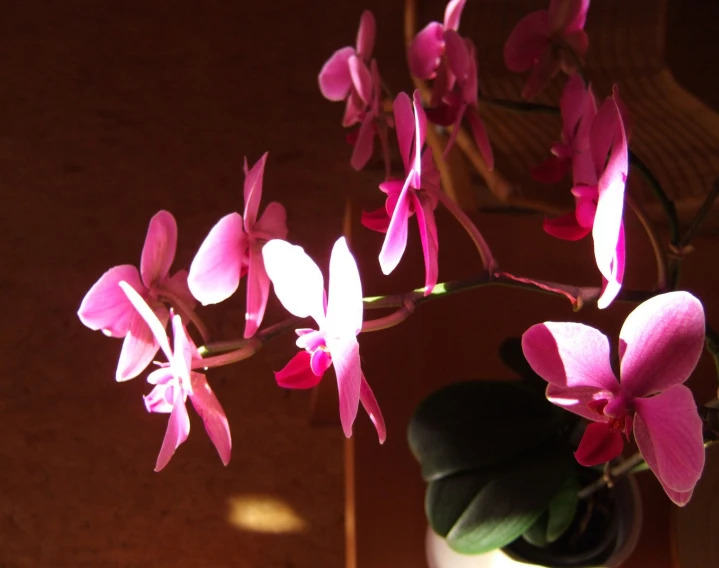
215	270
425	51
570	355
344	304
181	361
334	78
420	125
253	191
213	416
579	400
668	431
430	245
481	139
155	322
567	14
364	146
297	280
346	360
599	444
376	220
396	239
571	105
453	13
161	397
456	53
361	78
320	361
297	374
546	67
405	126
272	224
366	35
258	291
158	251
612	286
105	306
178	428
369	402
177	286
661	342
527	42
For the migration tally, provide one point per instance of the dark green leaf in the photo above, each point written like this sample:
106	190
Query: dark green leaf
509	504
476	424
553	522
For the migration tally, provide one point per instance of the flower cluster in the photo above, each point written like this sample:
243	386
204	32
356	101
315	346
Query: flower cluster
660	342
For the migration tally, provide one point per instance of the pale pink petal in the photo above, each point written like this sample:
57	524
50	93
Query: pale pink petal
600	444
425	51
430	245
105	306
366	35
253	191
177	286
297	280
159	249
404	124
178	428
396	239
310	339
138	350
660	343
570	355
481	139
215	270
527	42
565	227
376	220
344	302
453	13
213	416
364	146
320	361
272	224
346	360
579	400
161	398
334	78
150	321
361	78
182	354
369	402
297	374
668	431
258	290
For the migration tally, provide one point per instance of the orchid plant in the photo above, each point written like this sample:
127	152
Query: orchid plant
659	345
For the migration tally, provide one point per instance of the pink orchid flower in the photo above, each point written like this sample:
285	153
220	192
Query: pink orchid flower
234	247
546	41
175	381
659	345
351	75
299	286
105	307
438	52
599	185
418	194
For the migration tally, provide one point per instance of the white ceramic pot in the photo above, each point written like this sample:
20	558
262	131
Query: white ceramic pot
440	555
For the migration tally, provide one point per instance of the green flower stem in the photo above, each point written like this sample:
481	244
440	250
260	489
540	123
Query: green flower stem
611	474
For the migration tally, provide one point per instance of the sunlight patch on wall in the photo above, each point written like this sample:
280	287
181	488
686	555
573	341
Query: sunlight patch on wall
264	514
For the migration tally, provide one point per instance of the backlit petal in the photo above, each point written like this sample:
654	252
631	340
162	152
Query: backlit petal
344	302
154	322
346	360
396	239
660	343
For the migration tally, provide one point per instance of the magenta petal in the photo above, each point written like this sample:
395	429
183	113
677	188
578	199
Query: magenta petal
565	227
567	14
453	13
668	431
159	249
396	239
297	374
570	355
258	290
571	105
366	35
481	139
457	54
213	416
361	78
404	124
579	400
376	220
661	342
425	51
420	128
528	40
272	224
253	191
551	170
430	245
177	286
346	360
215	270
599	444
334	78
320	361
611	287
369	402
364	146
546	67
178	428
139	347
105	306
